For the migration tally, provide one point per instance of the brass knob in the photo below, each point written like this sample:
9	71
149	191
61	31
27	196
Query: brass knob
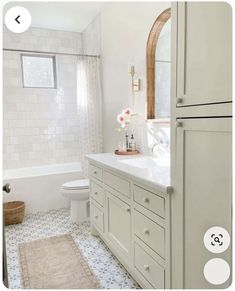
146	200
179	101
179	123
127	209
146	267
146	231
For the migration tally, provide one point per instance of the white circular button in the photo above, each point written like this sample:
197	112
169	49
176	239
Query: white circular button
18	19
216	271
216	239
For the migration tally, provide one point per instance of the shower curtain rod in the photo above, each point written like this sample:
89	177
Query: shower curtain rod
51	53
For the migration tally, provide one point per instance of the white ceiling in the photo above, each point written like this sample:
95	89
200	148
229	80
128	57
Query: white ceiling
68	16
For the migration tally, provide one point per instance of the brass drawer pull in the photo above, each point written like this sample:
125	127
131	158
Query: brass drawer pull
146	267
179	101
96	216
179	124
128	209
146	231
146	200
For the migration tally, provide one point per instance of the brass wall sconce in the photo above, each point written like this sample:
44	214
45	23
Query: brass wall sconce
135	83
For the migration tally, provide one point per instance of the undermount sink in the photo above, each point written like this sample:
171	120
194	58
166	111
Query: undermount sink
146	162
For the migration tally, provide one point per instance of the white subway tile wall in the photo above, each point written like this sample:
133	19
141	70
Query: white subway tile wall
40	126
47	40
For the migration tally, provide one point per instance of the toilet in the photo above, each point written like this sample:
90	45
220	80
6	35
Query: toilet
78	193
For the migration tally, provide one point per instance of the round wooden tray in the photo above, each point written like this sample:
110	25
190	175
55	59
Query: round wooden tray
126	153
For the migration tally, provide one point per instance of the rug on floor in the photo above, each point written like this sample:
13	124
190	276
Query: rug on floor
55	263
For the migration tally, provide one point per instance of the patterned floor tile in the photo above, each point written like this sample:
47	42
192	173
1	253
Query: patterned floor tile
107	268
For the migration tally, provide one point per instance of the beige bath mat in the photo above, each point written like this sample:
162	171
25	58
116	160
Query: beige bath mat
55	263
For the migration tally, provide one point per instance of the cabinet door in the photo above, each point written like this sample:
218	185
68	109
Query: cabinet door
204	187
119	225
204	61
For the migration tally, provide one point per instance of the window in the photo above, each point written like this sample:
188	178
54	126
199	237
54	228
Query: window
39	71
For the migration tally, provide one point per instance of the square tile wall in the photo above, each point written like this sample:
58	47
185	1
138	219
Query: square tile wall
40	126
40	39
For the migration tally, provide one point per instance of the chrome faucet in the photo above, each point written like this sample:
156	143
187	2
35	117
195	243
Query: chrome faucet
155	144
6	188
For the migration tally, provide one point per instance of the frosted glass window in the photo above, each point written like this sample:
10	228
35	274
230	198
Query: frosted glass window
39	71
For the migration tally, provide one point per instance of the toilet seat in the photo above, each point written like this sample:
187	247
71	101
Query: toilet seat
76	185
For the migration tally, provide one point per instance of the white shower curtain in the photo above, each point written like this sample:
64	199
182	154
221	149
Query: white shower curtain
89	105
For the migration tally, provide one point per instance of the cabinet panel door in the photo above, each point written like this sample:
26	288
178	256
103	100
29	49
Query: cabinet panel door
119	224
204	185
204	73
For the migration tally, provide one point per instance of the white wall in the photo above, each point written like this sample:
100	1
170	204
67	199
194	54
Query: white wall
125	27
40	125
91	38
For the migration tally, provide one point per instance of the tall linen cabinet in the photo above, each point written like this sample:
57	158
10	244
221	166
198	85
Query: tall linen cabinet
201	137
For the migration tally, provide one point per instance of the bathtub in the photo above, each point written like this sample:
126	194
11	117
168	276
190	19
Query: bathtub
39	187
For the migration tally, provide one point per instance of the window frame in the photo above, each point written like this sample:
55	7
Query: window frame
36	55
150	60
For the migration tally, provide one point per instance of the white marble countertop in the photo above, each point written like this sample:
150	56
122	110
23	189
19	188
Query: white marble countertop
157	174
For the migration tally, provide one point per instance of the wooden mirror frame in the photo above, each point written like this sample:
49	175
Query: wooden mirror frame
150	56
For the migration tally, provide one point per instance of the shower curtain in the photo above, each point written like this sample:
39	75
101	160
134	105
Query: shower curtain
89	107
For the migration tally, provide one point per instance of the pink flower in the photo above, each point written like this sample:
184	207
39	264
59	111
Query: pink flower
127	111
124	117
120	118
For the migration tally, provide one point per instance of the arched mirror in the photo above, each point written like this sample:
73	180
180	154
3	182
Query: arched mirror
158	67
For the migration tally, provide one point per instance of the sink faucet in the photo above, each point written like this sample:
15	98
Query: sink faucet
155	144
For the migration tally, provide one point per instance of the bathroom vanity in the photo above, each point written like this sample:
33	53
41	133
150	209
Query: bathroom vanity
157	234
130	211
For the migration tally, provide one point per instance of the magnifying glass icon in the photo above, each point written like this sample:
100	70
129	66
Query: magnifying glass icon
216	239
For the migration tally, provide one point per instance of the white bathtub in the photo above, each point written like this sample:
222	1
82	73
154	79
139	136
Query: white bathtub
39	187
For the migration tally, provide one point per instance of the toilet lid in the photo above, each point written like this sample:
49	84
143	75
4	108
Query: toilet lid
77	184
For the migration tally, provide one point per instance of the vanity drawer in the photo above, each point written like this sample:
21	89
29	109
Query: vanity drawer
96	172
97	217
97	193
149	200
118	184
150	232
149	268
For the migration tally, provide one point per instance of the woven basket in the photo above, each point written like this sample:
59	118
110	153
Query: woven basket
13	212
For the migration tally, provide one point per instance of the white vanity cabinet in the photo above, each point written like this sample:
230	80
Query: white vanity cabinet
133	220
204	53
